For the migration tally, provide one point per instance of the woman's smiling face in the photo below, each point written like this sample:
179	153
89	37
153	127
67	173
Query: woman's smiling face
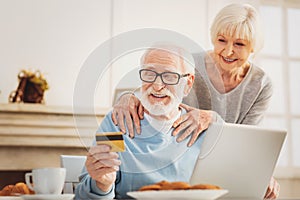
231	52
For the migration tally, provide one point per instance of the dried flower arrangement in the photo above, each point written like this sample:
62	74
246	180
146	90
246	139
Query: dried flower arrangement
31	88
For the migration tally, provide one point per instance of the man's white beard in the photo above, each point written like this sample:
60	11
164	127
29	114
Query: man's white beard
159	108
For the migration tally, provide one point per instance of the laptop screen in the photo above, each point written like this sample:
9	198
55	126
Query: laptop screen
239	158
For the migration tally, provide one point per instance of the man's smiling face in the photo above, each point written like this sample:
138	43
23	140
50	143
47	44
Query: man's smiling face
157	97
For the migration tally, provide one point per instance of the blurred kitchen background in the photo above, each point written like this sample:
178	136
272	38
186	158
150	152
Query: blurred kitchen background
57	36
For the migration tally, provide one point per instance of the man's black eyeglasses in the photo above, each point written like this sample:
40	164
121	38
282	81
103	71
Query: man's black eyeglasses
168	78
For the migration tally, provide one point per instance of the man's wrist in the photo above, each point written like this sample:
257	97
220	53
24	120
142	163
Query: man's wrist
95	190
103	187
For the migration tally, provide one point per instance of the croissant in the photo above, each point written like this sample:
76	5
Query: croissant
14	190
6	191
165	185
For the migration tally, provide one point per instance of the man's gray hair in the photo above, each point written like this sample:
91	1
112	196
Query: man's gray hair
188	60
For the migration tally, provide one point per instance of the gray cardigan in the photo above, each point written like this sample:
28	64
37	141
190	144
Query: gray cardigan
246	104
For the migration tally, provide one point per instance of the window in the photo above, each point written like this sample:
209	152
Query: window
280	58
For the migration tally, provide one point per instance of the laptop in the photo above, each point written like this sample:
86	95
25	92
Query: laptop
239	158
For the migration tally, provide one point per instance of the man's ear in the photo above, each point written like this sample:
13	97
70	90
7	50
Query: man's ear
189	85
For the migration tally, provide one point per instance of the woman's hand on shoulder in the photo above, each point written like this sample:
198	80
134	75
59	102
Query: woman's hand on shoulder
194	122
130	109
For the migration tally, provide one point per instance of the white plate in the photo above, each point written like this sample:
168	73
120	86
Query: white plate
48	197
178	194
10	198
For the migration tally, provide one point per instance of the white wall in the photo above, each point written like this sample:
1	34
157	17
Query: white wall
57	36
54	36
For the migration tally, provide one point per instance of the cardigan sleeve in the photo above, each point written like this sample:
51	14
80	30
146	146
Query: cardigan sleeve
256	112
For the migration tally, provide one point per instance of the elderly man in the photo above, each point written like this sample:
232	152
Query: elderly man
154	155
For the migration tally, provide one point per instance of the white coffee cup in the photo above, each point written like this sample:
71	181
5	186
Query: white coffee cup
46	180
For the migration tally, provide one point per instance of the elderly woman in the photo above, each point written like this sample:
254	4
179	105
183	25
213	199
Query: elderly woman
226	81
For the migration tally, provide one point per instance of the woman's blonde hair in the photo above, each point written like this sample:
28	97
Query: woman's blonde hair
241	21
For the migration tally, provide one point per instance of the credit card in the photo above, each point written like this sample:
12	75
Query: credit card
113	139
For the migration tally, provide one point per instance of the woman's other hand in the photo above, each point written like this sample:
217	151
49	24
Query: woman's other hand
128	107
193	122
273	189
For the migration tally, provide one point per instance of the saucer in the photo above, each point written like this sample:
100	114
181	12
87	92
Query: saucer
48	197
10	198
